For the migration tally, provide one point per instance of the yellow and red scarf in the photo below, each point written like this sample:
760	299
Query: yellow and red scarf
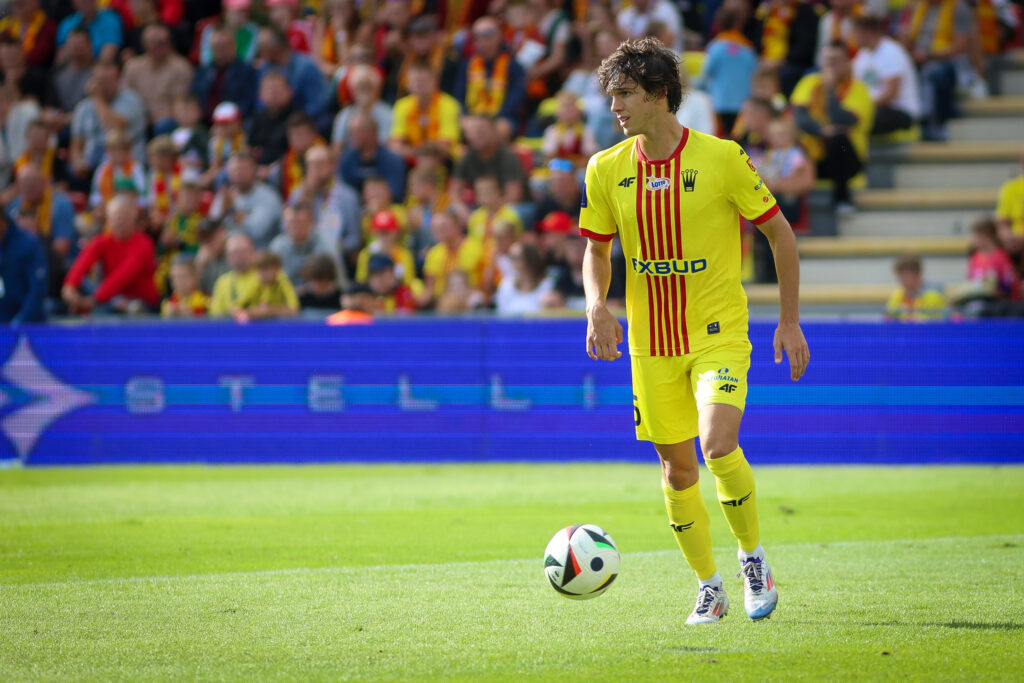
27	34
165	188
219	157
836	30
293	169
43	212
944	33
424	126
46	165
776	18
108	174
485	94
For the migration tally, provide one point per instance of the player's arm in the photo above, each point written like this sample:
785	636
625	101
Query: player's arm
604	332
788	335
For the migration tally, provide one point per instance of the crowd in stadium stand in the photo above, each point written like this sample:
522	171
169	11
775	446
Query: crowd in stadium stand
266	159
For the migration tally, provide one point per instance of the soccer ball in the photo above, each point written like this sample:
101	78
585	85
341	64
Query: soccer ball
581	561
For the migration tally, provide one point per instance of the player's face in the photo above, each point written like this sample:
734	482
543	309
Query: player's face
633	108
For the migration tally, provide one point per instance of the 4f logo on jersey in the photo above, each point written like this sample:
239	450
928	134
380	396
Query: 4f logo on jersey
627	182
727	388
681	527
668	267
655	184
689	179
738	501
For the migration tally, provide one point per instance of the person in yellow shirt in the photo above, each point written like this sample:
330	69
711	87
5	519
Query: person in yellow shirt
490	196
425	118
913	300
238	283
453	251
273	297
835	112
385	233
1010	216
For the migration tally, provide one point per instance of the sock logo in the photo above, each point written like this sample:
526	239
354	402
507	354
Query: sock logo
681	527
737	502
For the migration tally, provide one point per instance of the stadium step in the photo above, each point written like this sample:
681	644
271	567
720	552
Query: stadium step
818	295
903	223
980	198
1011	81
844	247
987	128
1000	105
946	152
855	270
986	174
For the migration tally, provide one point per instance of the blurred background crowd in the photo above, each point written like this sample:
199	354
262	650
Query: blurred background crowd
300	157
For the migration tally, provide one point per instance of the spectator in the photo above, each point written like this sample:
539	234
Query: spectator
425	118
728	69
268	135
163	179
236	20
637	21
118	164
835	111
497	261
108	107
298	241
225	78
545	75
39	209
755	118
127	260
190	138
838	25
487	155
765	84
523	292
567	138
385	236
392	294
334	32
41	150
377	197
786	170
554	232
1010	216
227	140
186	299
886	68
583	81
36	33
697	111
67	82
17	73
246	205
789	30
913	300
452	251
211	258
240	281
568	283
144	13
320	290
285	16
288	173
158	75
491	83
563	193
489	196
273	296
989	269
425	199
335	206
364	158
937	38
300	72
103	25
365	83
424	44
23	272
181	229
459	296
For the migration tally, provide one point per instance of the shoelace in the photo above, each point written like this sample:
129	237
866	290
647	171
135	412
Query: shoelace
752	570
705	599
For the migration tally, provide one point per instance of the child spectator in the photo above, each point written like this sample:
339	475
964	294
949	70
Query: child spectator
453	251
754	120
567	137
425	198
498	263
425	118
180	229
186	300
190	138
458	296
765	83
787	171
728	68
118	164
320	290
989	268
393	295
228	138
377	197
385	238
273	297
554	231
524	290
913	300
164	179
490	196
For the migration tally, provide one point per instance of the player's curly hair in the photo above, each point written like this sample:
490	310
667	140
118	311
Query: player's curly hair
649	64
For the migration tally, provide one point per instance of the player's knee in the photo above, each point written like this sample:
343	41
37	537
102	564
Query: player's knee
718	445
680	475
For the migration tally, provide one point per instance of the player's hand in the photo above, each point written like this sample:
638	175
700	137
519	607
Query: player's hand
604	334
790	338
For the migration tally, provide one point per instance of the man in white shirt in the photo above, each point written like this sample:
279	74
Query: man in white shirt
886	68
636	21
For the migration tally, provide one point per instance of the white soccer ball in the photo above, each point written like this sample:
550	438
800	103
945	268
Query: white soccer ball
581	561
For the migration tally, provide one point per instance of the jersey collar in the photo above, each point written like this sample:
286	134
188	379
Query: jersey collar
679	149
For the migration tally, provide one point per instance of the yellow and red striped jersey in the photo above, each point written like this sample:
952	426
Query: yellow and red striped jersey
678	220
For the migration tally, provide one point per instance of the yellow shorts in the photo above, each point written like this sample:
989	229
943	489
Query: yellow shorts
668	392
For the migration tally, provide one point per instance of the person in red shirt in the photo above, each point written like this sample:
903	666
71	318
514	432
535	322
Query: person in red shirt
989	267
127	260
392	295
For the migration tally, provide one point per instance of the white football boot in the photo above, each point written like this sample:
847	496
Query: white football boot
759	593
712	605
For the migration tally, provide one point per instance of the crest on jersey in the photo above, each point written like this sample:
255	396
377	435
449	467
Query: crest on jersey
655	184
689	179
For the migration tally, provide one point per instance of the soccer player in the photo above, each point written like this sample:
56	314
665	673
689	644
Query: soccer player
674	196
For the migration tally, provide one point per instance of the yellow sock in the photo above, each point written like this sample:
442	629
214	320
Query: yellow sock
736	493
689	519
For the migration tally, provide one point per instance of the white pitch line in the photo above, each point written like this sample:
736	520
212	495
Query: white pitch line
428	566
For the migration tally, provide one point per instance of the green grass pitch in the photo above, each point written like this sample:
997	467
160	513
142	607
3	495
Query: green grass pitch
413	572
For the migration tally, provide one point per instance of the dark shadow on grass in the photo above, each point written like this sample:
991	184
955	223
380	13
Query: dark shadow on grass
982	625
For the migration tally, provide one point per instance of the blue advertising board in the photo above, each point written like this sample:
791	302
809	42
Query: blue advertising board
484	390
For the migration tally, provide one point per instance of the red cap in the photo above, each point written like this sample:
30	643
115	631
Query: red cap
556	221
385	221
